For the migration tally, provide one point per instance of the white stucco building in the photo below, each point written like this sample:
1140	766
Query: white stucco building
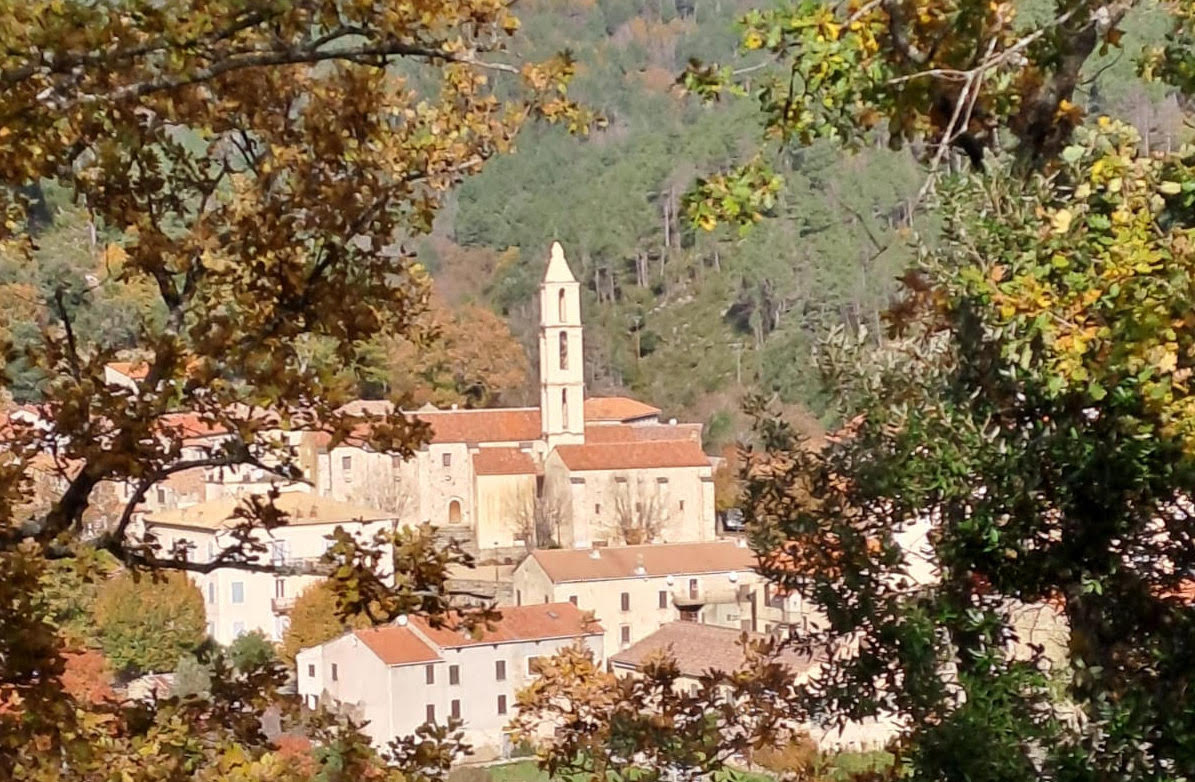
239	601
402	675
634	590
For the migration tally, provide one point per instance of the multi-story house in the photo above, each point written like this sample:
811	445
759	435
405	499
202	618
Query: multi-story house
408	673
239	601
635	590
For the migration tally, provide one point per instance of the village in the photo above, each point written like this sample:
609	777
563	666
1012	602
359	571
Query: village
607	390
591	522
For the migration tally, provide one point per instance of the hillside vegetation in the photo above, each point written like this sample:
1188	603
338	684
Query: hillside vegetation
685	318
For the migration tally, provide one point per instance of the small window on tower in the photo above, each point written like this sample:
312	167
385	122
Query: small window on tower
564	407
561	308
446	460
563	350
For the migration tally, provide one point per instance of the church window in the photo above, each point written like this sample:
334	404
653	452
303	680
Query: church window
564	408
560	306
454	512
563	350
446	459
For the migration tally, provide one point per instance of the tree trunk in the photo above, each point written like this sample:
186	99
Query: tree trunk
667	221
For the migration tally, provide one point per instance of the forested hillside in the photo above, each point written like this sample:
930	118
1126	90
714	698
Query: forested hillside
682	317
685	318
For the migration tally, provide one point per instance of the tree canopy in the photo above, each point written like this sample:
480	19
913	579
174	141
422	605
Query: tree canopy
145	625
255	173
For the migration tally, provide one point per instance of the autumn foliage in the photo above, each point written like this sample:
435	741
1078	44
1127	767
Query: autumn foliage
145	624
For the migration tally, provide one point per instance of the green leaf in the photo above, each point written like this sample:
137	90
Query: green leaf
1072	153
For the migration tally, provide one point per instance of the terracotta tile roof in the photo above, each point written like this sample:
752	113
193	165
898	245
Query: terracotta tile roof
137	370
304	508
699	648
396	645
617	408
621	433
503	461
519	623
633	455
191	425
367	407
20	418
660	559
518	424
499	425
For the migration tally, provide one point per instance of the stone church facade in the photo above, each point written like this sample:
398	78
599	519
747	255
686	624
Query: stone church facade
575	472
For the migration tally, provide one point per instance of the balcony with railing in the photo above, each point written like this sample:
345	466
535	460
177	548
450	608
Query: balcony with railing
300	565
711	595
282	605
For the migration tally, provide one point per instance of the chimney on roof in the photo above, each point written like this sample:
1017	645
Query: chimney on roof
454	405
401	620
594	553
640	570
672	422
741	543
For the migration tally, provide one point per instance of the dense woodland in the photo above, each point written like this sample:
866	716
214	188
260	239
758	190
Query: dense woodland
685	318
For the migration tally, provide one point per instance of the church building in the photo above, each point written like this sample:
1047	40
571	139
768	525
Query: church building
575	472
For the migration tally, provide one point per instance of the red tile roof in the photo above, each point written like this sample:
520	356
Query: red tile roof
522	424
191	425
660	559
633	455
503	461
498	425
699	648
519	623
137	370
617	408
621	433
396	645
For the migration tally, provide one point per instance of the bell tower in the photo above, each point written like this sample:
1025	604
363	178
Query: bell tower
561	369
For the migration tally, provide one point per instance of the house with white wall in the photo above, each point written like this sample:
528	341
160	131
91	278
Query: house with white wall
635	590
408	673
239	601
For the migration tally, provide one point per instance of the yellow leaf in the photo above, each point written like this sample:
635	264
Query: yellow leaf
1062	221
1171	188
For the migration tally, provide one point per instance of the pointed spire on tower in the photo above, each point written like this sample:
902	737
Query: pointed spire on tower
558	270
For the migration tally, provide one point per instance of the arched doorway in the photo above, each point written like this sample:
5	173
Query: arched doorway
454	512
